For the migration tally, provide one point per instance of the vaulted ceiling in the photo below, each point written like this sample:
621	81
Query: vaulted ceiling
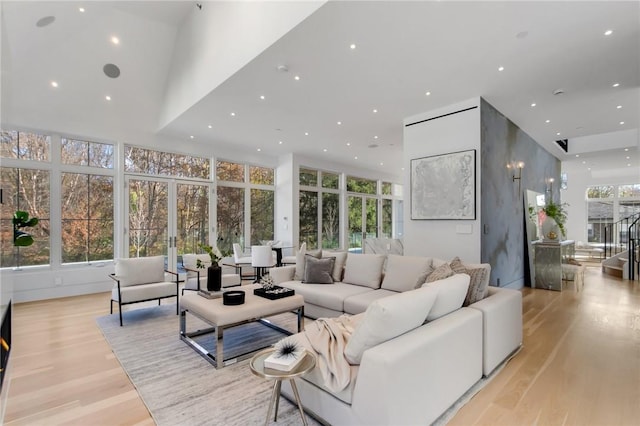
361	66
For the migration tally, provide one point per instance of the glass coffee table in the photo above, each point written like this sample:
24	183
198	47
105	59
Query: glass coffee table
258	368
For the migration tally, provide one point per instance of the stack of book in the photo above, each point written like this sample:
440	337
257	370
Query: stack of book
283	363
210	294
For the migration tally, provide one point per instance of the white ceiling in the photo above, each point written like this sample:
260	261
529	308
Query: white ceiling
403	49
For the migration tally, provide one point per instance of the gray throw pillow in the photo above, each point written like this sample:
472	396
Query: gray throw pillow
318	271
478	285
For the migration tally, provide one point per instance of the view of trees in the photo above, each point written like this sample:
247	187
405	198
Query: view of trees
230	217
262	214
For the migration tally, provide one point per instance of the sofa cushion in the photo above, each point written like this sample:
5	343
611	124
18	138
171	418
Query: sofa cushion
139	270
300	261
330	297
451	294
358	303
318	271
364	270
389	317
478	283
338	267
441	272
190	261
404	273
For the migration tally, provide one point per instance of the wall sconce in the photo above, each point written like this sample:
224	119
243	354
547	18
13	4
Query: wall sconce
549	182
519	165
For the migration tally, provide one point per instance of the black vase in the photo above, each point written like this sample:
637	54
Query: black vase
214	278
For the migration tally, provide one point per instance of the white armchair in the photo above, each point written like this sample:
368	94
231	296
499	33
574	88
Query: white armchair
141	279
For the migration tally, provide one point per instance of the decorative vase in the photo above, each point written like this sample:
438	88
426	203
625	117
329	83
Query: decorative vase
214	278
550	230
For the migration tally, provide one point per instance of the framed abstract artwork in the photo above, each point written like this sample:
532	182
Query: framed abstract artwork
444	186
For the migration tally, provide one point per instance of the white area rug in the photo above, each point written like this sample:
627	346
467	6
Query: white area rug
178	386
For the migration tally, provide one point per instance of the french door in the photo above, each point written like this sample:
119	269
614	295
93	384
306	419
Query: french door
166	217
362	220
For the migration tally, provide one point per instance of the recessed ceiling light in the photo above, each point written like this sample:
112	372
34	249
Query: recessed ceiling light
588	168
628	164
382	164
547	121
115	40
348	143
297	77
108	97
375	137
279	142
608	32
500	68
428	94
81	9
628	158
533	105
402	169
577	155
615	84
619	106
375	110
210	126
626	149
355	158
233	114
191	136
558	134
324	150
352	46
306	133
258	149
622	122
339	123
584	162
262	97
54	84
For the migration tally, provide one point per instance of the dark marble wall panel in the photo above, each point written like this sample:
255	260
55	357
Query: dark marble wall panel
503	236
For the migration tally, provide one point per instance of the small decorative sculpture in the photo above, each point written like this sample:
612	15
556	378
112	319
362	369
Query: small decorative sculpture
287	348
267	282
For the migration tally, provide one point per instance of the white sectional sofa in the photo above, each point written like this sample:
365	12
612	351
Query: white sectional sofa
414	377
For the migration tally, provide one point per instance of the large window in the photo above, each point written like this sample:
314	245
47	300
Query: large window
159	163
319	219
25	189
246	204
87	217
607	204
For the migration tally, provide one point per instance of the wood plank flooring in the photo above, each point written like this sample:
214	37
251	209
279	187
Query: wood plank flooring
580	364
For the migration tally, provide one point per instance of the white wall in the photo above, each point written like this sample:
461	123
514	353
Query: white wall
215	42
444	239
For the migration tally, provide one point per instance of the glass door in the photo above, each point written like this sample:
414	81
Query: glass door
362	221
166	218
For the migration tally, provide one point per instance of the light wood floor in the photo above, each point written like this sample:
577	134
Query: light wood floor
580	364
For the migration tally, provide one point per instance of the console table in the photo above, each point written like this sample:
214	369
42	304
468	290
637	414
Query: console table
548	260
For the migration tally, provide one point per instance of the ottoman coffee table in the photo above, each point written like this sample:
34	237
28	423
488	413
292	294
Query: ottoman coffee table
222	317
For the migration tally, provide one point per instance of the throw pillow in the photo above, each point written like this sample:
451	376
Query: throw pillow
338	267
318	271
364	270
387	318
478	284
404	273
299	274
441	272
451	294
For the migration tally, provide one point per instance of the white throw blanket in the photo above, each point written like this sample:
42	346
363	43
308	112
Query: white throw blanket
328	337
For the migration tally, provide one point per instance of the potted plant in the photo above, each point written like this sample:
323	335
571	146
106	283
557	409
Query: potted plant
559	215
214	272
21	238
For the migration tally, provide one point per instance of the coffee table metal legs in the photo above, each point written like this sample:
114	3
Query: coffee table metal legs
275	400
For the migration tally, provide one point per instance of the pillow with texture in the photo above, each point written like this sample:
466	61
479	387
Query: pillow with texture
404	273
318	271
364	270
441	272
140	270
338	267
478	284
387	318
300	255
451	294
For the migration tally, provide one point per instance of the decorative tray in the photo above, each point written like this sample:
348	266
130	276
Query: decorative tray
275	292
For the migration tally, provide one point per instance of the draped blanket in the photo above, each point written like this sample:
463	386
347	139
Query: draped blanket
328	337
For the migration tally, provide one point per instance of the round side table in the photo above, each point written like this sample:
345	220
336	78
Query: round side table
258	368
